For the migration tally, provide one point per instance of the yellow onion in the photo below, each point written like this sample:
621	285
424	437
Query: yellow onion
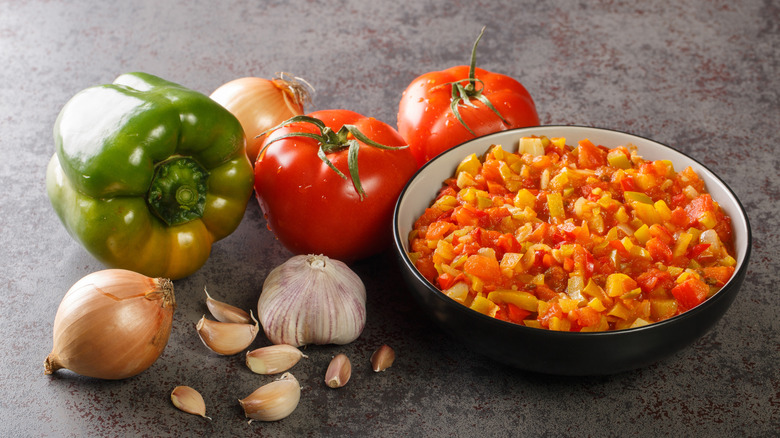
112	324
261	104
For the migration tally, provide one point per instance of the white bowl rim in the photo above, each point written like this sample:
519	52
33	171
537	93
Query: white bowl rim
734	208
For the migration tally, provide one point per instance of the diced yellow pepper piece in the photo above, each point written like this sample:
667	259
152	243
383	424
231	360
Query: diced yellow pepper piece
567	304
639	322
620	311
532	323
484	306
621	216
596	305
484	202
630	295
444	252
555	205
560	325
592	289
616	158
522	299
642	234
646	213
559	142
681	245
446	202
615	284
637	197
708	220
524	198
498	152
464	180
728	261
470	165
663	210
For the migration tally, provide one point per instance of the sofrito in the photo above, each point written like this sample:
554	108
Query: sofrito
567	238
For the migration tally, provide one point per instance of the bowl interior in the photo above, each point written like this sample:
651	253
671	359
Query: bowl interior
423	187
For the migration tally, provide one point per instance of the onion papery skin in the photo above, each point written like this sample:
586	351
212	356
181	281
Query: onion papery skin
260	104
312	299
112	324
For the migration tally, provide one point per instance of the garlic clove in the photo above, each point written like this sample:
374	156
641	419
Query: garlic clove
273	401
226	338
224	312
189	401
339	371
273	359
382	358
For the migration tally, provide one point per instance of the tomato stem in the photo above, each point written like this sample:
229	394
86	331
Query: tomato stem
462	94
330	141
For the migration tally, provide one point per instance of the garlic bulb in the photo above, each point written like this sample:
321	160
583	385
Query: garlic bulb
312	299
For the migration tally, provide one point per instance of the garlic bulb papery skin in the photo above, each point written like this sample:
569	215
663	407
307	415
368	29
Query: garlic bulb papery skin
312	299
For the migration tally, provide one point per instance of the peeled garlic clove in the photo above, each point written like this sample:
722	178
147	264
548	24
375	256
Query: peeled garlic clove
382	358
273	358
226	338
339	371
189	401
224	312
273	401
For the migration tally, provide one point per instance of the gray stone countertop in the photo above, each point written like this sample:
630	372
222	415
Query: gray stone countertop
700	76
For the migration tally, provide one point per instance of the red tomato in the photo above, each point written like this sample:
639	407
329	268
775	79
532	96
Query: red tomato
426	118
312	209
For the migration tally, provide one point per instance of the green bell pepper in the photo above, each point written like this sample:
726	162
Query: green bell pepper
148	174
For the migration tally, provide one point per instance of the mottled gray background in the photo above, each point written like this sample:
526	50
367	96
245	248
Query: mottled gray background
701	76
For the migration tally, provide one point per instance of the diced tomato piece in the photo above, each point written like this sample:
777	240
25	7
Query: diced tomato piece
662	233
719	274
486	268
627	184
679	217
437	230
691	292
430	215
698	206
659	251
544	293
426	268
587	316
447	280
655	278
590	156
554	310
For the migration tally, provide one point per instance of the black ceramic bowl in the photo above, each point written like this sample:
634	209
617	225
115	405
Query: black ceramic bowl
552	352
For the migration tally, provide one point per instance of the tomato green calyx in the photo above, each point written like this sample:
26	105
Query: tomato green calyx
463	94
330	141
177	194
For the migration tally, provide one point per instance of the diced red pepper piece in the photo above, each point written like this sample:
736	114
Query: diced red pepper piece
696	250
515	313
618	245
691	292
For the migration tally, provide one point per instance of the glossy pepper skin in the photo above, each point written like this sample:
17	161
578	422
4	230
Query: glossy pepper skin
147	174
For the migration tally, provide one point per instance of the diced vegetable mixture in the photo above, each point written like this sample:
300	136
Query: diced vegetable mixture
567	238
